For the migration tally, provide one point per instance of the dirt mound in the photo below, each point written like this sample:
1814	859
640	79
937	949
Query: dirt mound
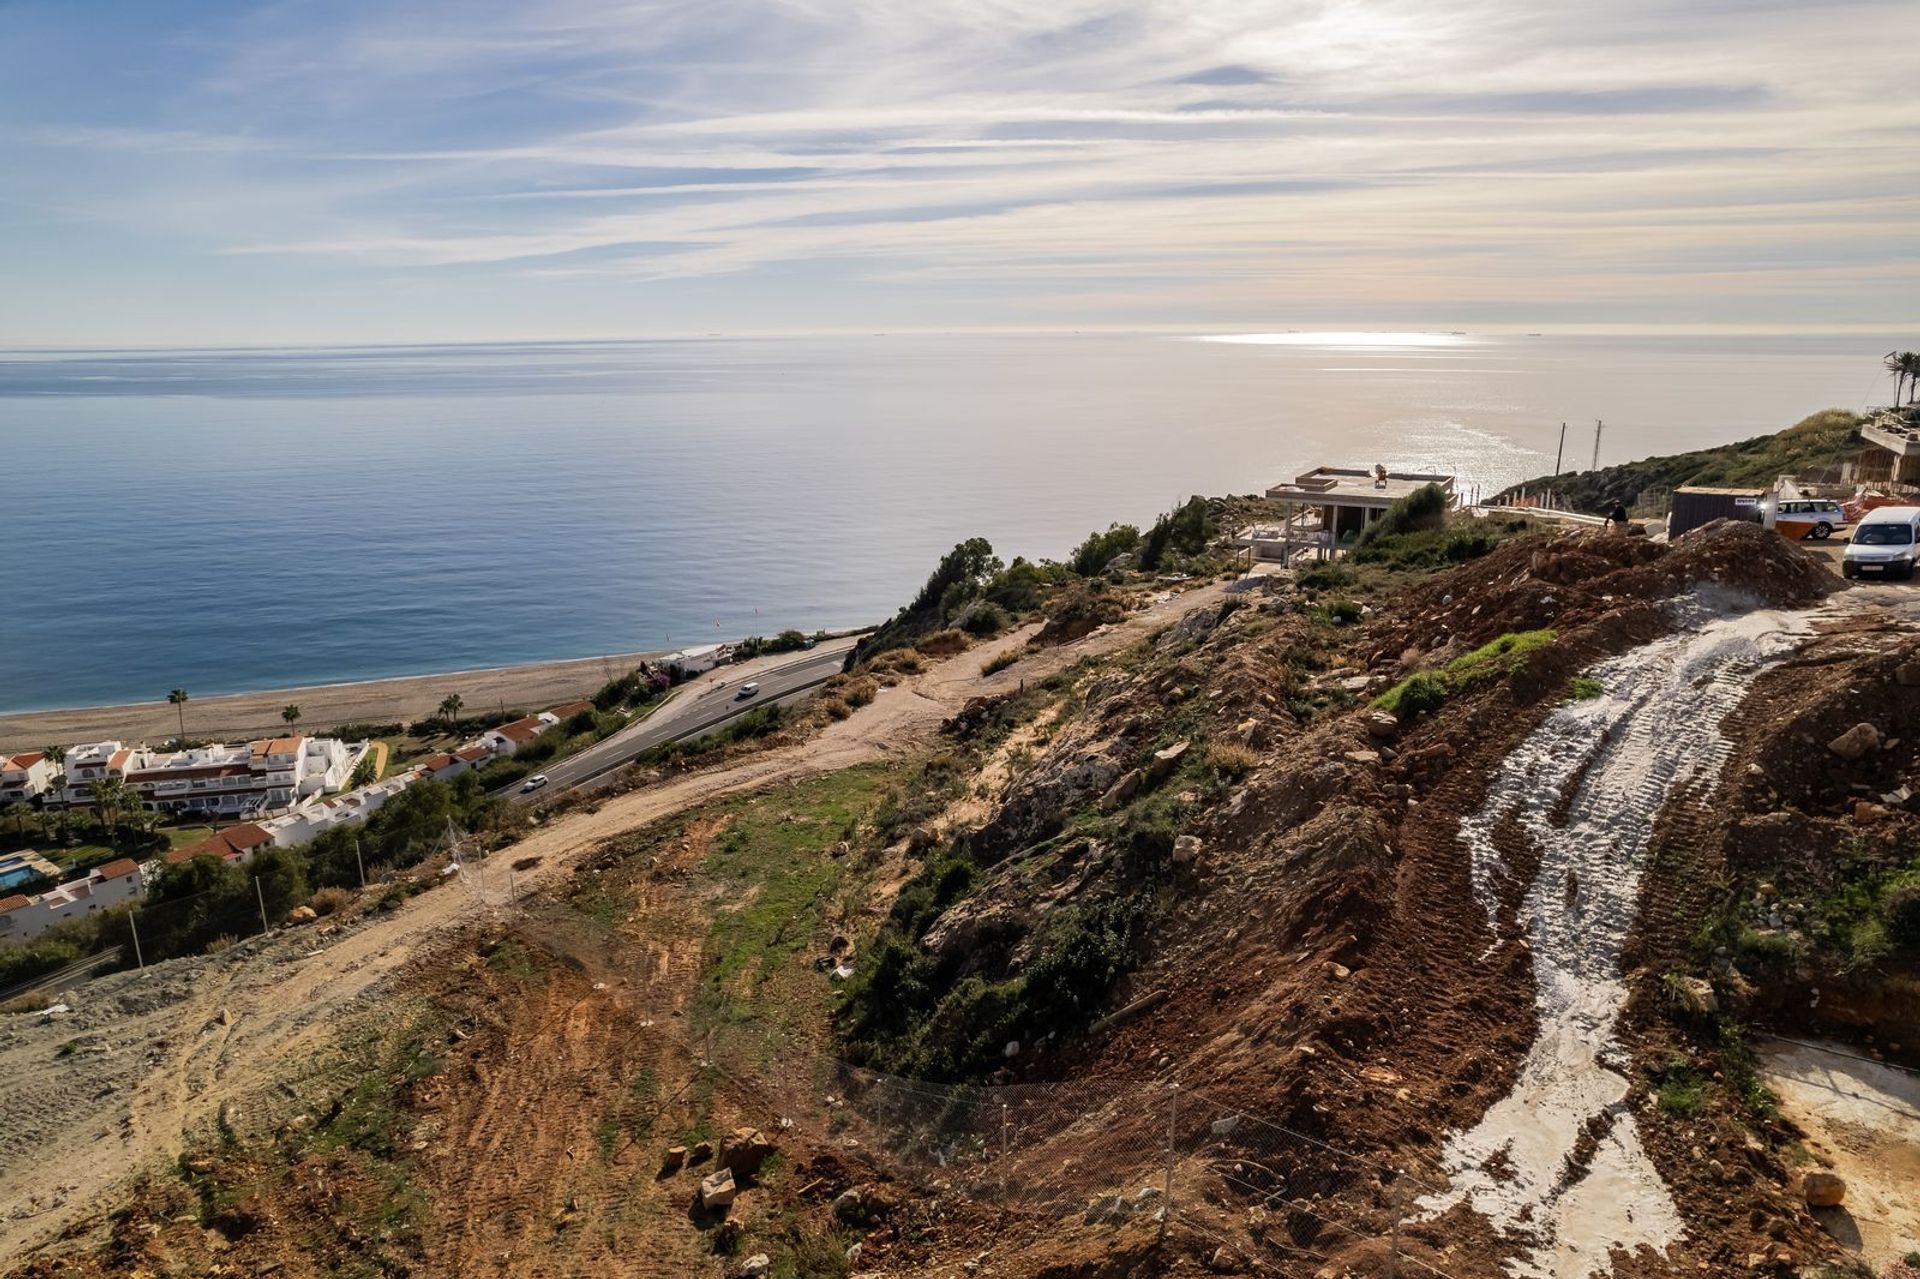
1582	577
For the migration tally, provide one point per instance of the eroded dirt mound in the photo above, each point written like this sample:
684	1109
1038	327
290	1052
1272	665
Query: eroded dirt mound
1581	577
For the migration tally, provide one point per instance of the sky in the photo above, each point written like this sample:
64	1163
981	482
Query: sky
221	172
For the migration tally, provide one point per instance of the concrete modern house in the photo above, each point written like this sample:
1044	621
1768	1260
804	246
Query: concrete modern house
1893	452
698	661
1328	506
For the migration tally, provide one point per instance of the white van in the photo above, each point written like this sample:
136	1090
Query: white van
1884	543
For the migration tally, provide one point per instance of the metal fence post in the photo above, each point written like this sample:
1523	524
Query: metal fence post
1003	1155
357	861
1173	1120
135	929
260	894
1399	1211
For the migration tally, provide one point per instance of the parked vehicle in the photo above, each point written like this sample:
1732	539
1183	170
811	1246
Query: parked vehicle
1814	518
533	783
746	691
1883	544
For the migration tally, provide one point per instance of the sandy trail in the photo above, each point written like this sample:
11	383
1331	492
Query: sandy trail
1610	765
182	1038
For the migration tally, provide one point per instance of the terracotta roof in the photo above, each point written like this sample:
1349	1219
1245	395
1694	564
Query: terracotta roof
14	902
567	710
114	870
275	745
522	730
434	763
472	754
119	758
230	842
25	761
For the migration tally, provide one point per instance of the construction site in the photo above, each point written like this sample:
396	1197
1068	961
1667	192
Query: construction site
1551	913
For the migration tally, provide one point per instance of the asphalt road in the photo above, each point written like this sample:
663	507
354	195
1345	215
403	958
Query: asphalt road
697	708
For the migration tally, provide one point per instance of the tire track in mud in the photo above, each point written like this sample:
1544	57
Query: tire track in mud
1557	1165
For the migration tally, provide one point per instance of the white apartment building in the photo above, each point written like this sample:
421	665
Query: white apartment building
303	824
24	918
220	780
25	777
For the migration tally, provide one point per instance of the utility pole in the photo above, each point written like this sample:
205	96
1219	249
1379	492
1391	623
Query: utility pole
1597	424
260	895
135	928
357	861
1557	457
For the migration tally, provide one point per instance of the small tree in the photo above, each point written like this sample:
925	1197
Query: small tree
290	713
450	709
179	699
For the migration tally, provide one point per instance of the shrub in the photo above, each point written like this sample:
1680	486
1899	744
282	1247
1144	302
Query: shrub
1423	509
1419	694
1092	556
1232	759
1323	577
1683	1091
994	665
1344	612
1901	915
1585	688
329	900
983	619
1186	529
943	643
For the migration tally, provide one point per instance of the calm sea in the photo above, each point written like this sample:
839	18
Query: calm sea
231	520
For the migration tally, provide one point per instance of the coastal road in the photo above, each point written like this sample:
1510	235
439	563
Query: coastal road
697	708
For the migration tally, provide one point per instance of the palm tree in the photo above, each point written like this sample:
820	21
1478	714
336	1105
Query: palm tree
110	796
290	713
179	699
1910	369
450	708
1896	366
17	813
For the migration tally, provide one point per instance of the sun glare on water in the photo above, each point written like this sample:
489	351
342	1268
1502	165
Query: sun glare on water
1343	341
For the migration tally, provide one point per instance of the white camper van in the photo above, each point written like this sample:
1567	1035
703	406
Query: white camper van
1883	543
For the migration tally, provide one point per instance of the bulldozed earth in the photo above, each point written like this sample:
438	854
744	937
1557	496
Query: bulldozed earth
1351	923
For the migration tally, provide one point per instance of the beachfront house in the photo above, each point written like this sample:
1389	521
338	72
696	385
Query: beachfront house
689	662
24	918
303	824
508	738
1326	508
217	780
24	778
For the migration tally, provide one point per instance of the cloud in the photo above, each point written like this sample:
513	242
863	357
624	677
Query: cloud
1353	147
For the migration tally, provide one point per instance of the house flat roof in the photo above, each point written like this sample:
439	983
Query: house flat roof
1354	486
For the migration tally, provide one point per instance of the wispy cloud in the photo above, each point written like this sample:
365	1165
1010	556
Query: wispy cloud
1205	156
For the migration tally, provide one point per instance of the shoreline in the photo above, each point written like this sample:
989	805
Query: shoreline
404	698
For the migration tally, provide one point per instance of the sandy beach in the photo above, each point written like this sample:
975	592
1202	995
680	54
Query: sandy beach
239	715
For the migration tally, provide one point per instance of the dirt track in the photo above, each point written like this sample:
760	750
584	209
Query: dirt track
184	1038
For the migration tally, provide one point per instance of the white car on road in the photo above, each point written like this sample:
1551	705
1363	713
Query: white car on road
533	783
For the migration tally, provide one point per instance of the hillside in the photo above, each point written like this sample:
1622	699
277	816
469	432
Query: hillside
1807	447
1375	919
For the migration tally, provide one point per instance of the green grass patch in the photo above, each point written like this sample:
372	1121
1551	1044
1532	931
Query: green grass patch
1682	1089
1425	691
773	859
1584	688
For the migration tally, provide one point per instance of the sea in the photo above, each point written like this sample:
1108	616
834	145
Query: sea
230	520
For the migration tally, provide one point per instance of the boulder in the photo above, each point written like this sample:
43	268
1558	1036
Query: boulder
756	1266
717	1191
1123	790
1166	760
674	1160
1381	725
1907	674
1186	851
1860	740
1696	995
743	1150
1823	1190
301	915
701	1152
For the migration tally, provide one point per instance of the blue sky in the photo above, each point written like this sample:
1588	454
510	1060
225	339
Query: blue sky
344	171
